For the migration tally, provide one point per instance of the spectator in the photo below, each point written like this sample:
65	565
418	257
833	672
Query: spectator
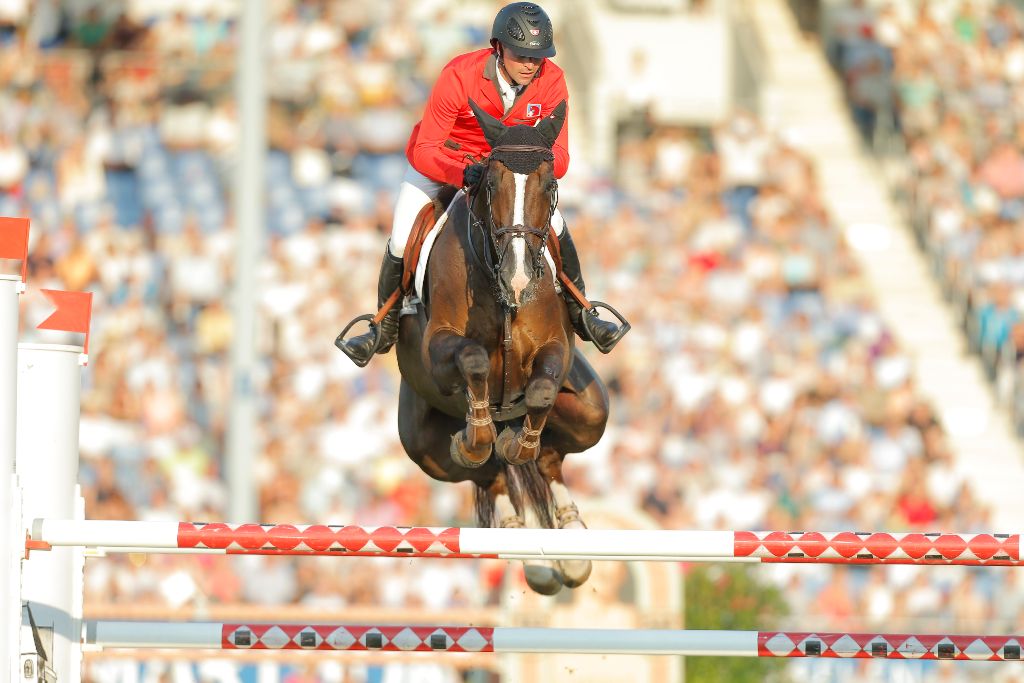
93	29
13	166
744	150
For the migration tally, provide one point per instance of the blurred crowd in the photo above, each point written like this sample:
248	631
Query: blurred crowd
759	388
937	91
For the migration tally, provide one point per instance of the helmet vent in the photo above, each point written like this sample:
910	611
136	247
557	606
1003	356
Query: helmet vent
514	30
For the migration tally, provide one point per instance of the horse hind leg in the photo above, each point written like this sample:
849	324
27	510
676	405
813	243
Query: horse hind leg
504	504
567	516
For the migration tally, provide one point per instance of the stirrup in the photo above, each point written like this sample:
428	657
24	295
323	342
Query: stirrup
375	330
624	325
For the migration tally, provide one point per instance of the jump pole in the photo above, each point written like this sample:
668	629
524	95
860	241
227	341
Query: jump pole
519	544
398	638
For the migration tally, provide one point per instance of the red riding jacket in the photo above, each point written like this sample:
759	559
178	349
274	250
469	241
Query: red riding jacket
448	132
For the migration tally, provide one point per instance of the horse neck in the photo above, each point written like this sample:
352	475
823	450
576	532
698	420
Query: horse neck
454	271
477	245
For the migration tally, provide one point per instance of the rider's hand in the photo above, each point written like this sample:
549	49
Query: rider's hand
472	174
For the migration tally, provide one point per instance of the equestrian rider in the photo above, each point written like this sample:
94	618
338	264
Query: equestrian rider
514	81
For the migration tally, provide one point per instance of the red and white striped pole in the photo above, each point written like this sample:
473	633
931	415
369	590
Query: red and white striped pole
339	637
518	544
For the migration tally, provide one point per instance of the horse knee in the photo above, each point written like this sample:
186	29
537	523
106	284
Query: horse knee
474	362
541	394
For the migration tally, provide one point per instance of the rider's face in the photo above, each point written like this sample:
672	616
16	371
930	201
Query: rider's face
520	68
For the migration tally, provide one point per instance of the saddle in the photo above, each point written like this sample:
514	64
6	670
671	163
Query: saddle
425	221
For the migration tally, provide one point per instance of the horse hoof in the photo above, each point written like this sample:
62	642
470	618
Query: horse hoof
574	572
543	579
461	455
509	450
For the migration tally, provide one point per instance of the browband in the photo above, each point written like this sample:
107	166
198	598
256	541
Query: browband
522	149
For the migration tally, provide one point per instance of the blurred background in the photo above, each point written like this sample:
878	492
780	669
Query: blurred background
812	212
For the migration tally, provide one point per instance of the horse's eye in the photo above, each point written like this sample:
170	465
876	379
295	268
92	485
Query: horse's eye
552	186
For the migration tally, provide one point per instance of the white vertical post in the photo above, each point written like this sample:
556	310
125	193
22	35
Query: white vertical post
249	213
10	286
49	387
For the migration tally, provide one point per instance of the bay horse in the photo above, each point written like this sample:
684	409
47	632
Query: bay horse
491	343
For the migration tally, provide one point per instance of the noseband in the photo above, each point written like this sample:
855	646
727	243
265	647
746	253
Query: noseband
491	232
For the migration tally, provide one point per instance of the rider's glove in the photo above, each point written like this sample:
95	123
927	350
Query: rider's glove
472	174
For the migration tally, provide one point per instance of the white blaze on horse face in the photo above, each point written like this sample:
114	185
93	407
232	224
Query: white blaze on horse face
521	278
519	210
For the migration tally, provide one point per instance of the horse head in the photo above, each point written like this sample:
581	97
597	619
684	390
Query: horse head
519	194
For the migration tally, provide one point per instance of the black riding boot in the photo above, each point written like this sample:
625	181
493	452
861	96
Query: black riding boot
604	332
361	347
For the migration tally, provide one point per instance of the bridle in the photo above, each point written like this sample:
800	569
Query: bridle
494	259
492	234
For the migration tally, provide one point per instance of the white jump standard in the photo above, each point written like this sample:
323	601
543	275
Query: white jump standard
517	544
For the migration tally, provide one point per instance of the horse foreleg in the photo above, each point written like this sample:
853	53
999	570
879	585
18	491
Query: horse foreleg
457	363
567	515
520	447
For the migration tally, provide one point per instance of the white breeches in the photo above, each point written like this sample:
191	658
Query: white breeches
415	191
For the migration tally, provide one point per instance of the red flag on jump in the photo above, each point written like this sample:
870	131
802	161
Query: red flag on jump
14	241
74	310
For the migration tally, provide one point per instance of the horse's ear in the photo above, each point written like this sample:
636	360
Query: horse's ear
492	127
550	127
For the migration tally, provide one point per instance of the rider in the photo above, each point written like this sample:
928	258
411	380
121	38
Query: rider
514	81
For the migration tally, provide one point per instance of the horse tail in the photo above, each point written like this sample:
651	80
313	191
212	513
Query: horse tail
484	506
526	487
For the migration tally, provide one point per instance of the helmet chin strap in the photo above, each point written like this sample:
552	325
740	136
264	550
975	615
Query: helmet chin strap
501	63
